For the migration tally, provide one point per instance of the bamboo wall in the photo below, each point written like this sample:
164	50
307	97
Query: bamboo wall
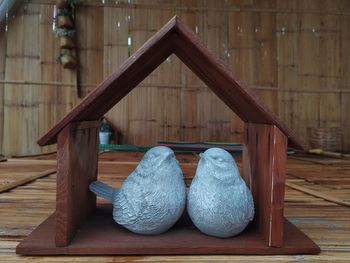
294	54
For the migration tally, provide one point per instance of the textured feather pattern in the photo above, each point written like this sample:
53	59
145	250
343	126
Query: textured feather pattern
153	197
219	202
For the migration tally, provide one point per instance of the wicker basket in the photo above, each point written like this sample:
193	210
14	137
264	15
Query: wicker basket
326	138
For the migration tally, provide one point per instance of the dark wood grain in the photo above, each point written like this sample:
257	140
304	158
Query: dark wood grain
264	162
278	161
174	37
77	158
101	235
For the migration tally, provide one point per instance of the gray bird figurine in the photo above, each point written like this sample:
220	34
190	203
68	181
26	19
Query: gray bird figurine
152	198
219	202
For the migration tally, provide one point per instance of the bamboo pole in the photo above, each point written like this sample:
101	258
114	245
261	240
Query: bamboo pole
188	87
200	8
26	180
317	194
33	155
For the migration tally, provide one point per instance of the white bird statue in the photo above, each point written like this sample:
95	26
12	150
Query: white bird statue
219	202
152	198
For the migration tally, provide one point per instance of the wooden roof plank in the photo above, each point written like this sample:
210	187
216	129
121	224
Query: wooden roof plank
222	81
174	37
120	83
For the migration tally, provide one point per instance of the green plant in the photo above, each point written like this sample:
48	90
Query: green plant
65	3
72	3
105	127
65	52
64	12
64	32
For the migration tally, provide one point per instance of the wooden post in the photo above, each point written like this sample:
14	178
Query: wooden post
77	159
264	168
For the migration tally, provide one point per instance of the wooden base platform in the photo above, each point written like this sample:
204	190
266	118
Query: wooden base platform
101	235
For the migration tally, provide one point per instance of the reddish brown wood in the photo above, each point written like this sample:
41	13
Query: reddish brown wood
278	149
178	38
101	235
264	162
77	158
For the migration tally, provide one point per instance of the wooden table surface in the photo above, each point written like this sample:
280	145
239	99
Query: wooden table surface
327	223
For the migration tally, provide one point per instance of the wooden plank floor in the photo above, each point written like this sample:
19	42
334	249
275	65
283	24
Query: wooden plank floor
328	224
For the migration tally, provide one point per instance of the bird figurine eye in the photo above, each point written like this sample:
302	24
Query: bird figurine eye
218	158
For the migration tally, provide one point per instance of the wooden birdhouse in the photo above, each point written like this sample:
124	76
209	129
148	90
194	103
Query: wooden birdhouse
80	227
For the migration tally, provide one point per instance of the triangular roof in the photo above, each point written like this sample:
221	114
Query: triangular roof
175	37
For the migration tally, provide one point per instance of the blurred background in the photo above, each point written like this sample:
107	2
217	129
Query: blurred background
294	54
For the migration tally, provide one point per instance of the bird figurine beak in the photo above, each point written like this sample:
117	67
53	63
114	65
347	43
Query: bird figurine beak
169	155
203	156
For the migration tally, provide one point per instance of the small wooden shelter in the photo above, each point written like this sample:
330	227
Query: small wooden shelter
79	227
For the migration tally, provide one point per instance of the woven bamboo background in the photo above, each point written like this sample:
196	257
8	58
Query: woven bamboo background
295	54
